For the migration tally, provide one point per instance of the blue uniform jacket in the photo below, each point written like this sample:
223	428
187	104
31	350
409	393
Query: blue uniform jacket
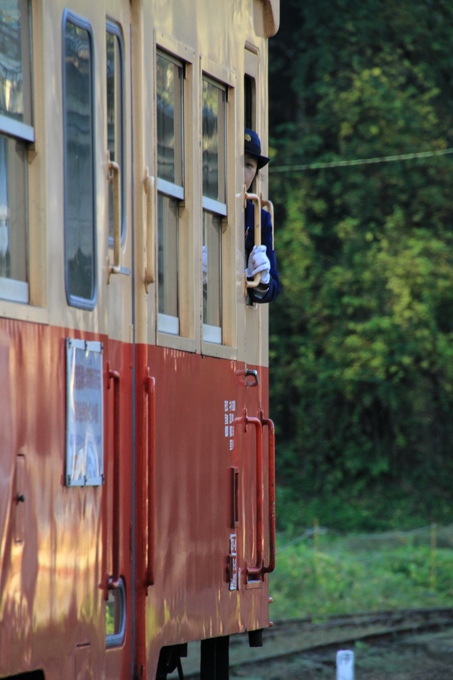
266	240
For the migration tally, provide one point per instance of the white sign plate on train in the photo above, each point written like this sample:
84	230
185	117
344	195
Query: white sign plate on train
84	414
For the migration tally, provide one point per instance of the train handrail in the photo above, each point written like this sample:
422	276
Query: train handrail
254	573
114	176
150	388
150	226
271	429
269	206
114	580
257	203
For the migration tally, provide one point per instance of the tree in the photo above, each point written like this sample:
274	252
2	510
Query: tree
361	337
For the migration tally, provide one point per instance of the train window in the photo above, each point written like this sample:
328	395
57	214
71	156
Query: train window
80	245
115	616
214	204
249	102
170	185
167	236
214	146
16	131
115	116
212	277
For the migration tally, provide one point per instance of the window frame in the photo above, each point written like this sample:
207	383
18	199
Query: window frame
214	335
80	22
10	126
115	30
13	290
168	324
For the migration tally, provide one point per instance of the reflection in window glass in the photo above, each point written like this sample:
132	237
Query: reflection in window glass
167	243
114	114
15	90
115	616
214	139
13	231
169	81
79	163
212	272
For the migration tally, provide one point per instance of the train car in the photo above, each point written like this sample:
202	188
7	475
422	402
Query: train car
136	449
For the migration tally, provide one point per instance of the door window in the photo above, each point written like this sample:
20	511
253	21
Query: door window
115	116
80	246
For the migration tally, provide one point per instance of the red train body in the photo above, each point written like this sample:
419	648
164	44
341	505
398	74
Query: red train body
172	543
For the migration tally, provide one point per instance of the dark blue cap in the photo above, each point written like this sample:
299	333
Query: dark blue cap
252	146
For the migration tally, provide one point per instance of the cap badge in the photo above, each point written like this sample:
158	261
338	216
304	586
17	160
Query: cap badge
247	137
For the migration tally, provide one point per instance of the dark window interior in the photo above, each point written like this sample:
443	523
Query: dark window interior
249	108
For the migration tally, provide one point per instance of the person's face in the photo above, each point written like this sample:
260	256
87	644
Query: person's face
250	168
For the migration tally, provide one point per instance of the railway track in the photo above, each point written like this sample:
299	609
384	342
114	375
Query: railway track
289	639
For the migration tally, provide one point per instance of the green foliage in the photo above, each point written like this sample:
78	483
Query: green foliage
337	579
362	335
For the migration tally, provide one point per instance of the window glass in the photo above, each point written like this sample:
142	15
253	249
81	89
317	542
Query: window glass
212	276
115	115
13	232
170	185
214	204
15	118
79	175
167	243
169	82
115	616
214	139
249	89
15	87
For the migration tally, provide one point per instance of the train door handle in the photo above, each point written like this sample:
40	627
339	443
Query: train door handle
254	573
267	422
254	372
234	497
114	176
114	580
150	385
257	203
150	228
269	206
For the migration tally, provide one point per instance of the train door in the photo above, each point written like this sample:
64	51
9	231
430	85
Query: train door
129	210
115	61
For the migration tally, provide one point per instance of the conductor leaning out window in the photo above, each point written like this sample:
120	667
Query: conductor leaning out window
259	258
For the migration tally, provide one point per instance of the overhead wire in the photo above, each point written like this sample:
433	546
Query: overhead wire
360	161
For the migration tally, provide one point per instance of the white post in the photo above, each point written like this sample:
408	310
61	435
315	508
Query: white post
345	665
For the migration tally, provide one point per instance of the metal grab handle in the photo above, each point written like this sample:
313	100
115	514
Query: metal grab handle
257	203
150	236
269	423
150	388
254	573
114	176
254	372
114	580
269	206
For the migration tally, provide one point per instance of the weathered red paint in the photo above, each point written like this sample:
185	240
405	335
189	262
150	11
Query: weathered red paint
53	583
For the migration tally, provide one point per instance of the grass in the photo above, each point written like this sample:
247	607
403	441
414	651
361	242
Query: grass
347	574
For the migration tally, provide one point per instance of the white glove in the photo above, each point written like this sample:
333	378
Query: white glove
204	262
259	262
